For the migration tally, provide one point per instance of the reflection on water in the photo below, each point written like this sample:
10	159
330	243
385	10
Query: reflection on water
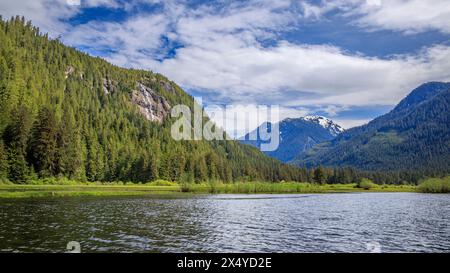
399	222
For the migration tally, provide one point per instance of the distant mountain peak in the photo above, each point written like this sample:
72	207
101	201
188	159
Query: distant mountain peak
335	129
422	93
297	135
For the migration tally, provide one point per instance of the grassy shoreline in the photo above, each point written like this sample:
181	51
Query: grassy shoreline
94	189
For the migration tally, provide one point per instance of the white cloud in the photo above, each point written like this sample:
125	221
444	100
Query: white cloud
101	3
350	123
251	72
409	16
137	38
50	15
44	13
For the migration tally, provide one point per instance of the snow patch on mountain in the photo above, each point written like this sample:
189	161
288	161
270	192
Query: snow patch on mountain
335	129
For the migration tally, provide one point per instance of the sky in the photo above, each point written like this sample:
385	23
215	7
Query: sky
350	61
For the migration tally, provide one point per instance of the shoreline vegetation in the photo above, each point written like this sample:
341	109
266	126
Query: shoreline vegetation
435	185
67	188
53	187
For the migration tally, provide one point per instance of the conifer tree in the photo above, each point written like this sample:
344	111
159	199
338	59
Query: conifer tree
43	146
201	174
319	175
3	162
69	147
16	137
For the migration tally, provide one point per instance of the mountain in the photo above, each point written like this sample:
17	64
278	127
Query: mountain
297	136
415	136
64	113
328	124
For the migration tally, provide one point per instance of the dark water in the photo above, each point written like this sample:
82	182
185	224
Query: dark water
395	222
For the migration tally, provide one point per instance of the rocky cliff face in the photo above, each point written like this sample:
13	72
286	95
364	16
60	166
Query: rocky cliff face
153	106
109	86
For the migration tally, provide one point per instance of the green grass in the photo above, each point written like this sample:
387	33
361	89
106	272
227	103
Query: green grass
287	187
25	191
63	188
435	185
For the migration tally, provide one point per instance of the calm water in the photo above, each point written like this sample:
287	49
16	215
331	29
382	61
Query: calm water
398	222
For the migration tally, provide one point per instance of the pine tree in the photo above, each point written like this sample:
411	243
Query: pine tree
5	102
176	164
145	169
43	148
201	170
212	165
69	147
153	167
95	166
3	162
319	175
15	140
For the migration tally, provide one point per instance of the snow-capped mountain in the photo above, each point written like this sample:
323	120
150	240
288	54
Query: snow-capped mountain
333	128
298	135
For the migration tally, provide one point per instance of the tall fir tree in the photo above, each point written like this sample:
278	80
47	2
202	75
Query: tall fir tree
319	175
43	146
69	155
3	162
16	137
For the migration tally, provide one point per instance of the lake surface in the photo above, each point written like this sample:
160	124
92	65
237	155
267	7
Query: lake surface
389	222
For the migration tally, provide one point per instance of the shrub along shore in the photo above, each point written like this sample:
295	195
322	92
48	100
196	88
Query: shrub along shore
65	188
435	185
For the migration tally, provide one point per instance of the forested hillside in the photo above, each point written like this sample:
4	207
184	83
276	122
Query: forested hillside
415	136
65	113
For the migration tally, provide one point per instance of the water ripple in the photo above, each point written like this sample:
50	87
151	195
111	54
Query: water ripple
400	222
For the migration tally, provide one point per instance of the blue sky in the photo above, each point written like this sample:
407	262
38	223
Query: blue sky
348	60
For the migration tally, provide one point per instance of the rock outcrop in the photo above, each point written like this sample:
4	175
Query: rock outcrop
167	86
153	106
69	71
109	86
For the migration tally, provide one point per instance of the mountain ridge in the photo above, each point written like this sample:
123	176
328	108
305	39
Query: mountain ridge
296	135
414	135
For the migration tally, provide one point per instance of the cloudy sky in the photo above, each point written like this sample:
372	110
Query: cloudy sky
348	60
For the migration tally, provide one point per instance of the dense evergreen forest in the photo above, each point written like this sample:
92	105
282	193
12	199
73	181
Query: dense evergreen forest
58	120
